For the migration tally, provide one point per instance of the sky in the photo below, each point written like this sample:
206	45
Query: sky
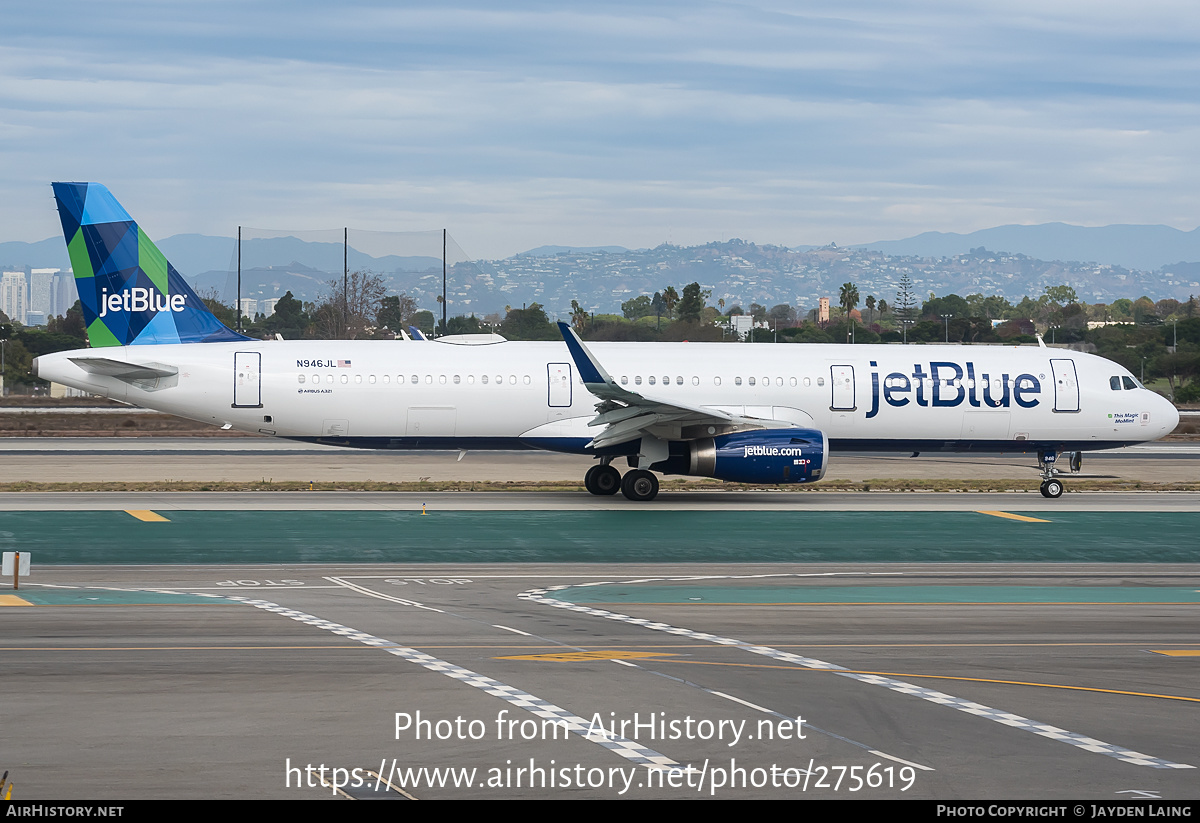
515	125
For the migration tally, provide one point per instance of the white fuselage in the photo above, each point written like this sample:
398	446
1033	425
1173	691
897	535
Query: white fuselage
379	394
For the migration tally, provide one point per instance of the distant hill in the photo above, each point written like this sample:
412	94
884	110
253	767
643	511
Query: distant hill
550	251
45	254
1018	261
1131	246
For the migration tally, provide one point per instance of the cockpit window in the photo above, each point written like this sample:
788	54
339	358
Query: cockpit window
1114	382
1129	383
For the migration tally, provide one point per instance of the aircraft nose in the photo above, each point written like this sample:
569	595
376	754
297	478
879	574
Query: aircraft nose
1170	416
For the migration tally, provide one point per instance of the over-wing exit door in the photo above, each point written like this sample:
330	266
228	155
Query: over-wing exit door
842	382
559	375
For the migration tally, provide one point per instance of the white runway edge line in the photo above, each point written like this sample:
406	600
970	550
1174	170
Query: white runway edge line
1089	744
628	749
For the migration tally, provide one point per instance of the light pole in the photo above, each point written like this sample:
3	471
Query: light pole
946	317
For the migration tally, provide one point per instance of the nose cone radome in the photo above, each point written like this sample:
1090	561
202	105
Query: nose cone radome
1170	416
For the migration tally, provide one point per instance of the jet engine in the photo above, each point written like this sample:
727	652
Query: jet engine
772	456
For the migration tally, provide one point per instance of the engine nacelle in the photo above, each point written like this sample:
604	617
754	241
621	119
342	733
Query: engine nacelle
773	456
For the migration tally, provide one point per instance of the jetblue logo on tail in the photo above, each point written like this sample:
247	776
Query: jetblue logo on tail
139	299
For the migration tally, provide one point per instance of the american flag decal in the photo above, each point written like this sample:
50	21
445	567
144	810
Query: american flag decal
343	364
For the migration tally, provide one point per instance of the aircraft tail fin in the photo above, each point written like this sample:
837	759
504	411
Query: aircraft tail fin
130	294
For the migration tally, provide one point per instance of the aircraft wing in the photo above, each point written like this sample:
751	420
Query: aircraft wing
627	415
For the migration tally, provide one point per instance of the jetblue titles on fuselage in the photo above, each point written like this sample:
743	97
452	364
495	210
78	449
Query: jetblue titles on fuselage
948	384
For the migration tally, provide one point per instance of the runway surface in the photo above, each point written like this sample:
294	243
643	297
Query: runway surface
752	645
141	459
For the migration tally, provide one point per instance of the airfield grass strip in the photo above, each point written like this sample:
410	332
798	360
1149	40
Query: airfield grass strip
875	485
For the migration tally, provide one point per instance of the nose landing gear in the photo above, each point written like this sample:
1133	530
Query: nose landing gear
1051	486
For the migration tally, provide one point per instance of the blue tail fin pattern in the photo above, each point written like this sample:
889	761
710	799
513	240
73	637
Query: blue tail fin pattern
130	294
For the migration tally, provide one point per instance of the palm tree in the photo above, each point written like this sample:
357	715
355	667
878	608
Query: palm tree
848	299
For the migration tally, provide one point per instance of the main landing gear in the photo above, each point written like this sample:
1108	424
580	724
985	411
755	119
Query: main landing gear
638	484
602	480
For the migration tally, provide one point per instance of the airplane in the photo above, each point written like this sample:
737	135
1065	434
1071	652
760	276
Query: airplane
764	414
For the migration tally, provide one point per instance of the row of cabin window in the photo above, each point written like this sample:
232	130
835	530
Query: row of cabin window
512	380
415	379
928	382
737	381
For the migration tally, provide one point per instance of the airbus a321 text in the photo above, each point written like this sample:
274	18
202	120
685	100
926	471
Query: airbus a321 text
767	414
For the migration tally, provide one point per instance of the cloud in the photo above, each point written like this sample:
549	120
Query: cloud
528	123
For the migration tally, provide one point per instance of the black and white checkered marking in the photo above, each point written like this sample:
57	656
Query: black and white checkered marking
629	749
1089	744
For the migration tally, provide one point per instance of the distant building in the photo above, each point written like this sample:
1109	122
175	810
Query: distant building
249	307
741	324
823	310
14	297
267	306
62	292
41	293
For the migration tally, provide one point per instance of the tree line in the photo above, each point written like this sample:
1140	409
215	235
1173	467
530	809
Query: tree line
1155	339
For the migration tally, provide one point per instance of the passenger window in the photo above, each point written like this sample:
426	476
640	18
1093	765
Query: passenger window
512	379
751	381
792	382
679	380
737	381
483	379
345	378
442	379
301	377
650	380
666	380
527	380
457	379
372	379
624	380
779	381
716	381
429	378
695	381
820	381
316	378
470	379
637	380
358	378
807	382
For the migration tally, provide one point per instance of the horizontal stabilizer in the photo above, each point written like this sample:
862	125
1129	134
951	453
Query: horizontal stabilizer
123	371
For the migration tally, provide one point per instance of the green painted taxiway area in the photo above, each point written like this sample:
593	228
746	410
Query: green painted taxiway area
799	594
119	537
